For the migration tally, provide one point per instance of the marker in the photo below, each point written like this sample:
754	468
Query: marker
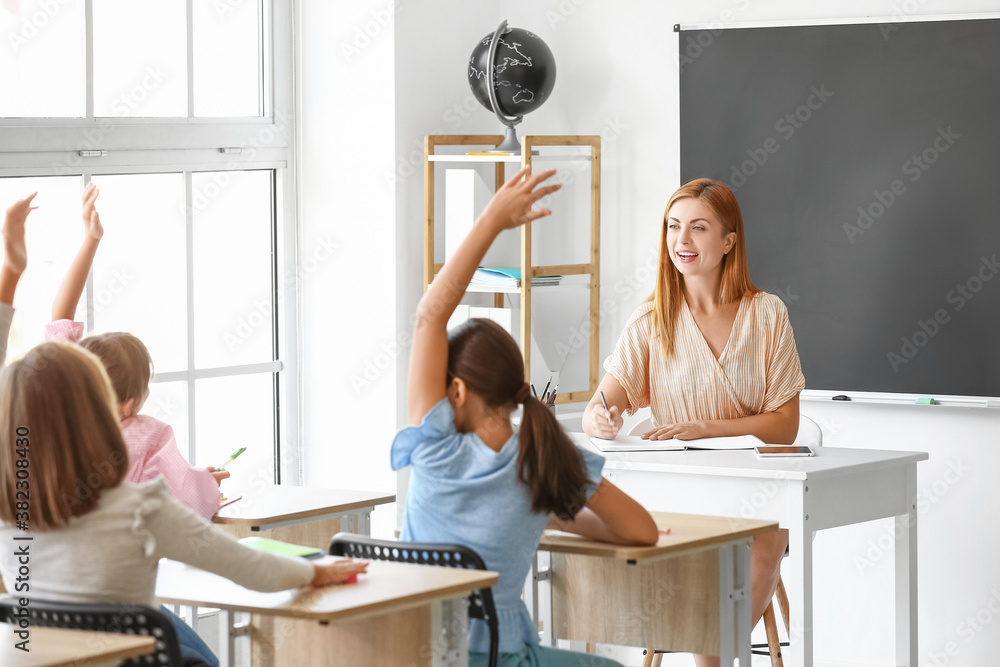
926	401
842	397
610	423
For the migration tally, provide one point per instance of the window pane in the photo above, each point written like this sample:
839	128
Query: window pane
41	59
168	402
234	412
227	59
140	274
232	259
140	58
53	235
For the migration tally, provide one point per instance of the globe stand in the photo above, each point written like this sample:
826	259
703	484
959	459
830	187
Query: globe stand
511	144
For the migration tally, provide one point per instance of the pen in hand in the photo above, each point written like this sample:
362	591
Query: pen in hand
610	423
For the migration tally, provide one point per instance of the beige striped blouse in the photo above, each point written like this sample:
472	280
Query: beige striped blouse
757	372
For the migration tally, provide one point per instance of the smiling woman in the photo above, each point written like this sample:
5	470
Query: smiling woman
708	352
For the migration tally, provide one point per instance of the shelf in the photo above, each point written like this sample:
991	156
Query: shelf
507	158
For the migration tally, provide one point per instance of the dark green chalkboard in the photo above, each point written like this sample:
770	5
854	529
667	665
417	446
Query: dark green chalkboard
866	161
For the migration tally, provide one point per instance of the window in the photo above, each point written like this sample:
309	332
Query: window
169	109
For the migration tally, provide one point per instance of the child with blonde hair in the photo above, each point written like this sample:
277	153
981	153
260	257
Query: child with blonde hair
95	539
151	444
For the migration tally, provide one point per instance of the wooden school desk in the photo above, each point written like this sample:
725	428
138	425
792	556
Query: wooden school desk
837	487
397	614
690	592
55	647
298	514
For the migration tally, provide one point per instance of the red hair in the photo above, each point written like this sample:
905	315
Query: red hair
736	284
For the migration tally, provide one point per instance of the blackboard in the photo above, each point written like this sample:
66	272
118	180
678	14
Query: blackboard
866	162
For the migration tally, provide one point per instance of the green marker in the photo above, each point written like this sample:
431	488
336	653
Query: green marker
231	458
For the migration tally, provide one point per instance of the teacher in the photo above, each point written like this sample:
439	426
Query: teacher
708	352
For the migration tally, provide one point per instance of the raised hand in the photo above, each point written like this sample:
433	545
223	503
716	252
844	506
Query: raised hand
14	248
511	205
91	218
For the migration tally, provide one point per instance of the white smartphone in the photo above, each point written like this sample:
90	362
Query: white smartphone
768	451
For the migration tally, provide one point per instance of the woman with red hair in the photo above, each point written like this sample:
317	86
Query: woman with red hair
708	352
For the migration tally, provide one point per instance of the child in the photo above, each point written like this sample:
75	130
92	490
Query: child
477	482
152	449
15	260
95	539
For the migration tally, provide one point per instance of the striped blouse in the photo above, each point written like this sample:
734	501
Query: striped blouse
757	372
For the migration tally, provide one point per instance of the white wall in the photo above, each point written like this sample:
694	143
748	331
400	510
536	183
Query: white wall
362	120
347	113
617	75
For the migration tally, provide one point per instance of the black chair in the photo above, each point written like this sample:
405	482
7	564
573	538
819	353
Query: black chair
120	618
481	604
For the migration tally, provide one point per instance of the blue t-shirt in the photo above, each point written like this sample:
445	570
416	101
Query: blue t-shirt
463	492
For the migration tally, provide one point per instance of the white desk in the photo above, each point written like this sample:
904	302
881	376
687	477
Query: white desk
837	487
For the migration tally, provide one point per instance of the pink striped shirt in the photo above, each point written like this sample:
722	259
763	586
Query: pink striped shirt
152	448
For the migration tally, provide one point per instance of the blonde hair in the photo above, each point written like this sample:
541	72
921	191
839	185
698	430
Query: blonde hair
126	360
736	284
58	413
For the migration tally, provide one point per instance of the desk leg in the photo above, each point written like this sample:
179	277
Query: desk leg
734	604
906	574
798	583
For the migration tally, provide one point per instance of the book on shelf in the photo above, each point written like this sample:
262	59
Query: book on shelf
507	277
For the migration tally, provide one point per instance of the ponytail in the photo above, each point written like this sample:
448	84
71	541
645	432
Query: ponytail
487	359
549	464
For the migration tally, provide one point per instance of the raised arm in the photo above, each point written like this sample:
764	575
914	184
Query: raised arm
611	515
64	306
15	253
509	208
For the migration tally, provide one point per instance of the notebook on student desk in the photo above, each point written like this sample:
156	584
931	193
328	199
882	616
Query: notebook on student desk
634	443
283	548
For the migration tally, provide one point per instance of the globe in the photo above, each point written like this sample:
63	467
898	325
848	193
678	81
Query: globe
523	72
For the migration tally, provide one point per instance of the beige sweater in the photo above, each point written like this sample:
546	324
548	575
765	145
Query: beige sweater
111	553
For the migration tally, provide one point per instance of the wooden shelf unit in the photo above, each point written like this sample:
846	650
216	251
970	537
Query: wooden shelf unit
528	271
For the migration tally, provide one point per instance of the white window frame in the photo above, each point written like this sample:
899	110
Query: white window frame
53	146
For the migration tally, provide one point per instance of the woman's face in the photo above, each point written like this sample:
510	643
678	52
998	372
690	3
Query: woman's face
696	240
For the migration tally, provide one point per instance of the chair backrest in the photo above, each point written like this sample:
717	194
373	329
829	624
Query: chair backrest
120	618
481	603
641	427
810	434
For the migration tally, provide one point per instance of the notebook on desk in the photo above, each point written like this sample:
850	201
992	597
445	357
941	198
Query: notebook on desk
634	443
283	548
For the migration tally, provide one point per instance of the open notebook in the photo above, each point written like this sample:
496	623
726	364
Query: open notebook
634	443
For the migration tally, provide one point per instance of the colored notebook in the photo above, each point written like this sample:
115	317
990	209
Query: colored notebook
282	548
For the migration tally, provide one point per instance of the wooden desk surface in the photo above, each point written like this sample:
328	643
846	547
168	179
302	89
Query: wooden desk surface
280	502
828	461
53	647
386	587
688	533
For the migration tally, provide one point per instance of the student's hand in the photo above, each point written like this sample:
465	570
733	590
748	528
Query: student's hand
682	431
601	423
91	218
511	205
219	475
337	572
14	248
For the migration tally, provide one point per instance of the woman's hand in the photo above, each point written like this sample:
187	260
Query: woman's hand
91	218
511	205
337	572
601	423
682	431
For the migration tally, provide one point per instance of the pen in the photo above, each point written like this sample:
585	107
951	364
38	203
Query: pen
533	392
545	392
606	408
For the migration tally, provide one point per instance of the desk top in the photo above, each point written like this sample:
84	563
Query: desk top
688	533
744	463
53	647
279	502
386	587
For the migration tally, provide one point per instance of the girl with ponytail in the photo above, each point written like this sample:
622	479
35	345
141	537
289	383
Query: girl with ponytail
475	480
